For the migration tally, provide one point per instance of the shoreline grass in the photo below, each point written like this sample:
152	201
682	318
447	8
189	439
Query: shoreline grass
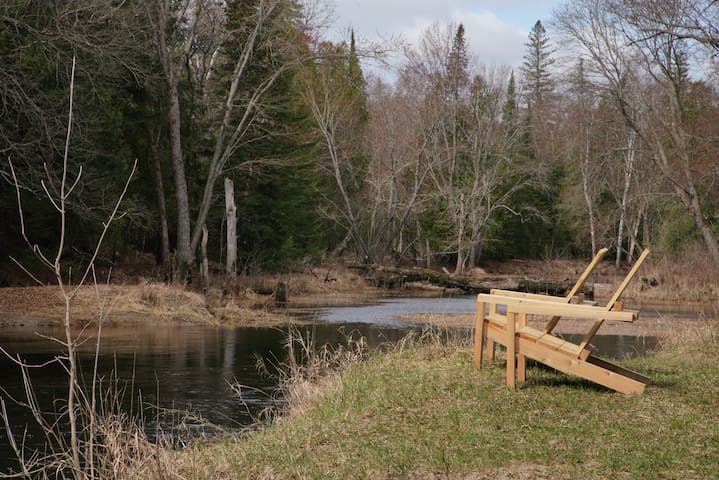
422	411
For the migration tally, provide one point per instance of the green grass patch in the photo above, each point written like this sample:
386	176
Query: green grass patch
423	411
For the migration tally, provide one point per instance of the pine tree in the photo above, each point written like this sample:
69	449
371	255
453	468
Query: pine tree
537	61
510	105
273	168
457	63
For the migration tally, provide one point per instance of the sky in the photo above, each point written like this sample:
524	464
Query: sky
496	29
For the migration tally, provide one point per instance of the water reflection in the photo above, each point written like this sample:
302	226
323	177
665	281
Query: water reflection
171	367
191	367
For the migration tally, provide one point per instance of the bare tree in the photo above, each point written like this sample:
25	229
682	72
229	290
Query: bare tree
398	167
336	105
80	453
693	20
646	77
580	125
40	40
470	149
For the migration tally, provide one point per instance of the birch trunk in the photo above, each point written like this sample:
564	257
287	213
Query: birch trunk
587	193
459	268
628	171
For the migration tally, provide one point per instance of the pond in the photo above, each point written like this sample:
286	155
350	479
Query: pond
191	367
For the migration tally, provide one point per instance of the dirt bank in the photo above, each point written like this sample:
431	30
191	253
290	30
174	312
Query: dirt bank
248	301
123	304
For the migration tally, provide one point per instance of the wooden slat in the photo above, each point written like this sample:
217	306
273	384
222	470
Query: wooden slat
539	307
521	359
581	368
600	362
479	334
563	346
496	318
587	272
530	296
627	279
510	342
491	345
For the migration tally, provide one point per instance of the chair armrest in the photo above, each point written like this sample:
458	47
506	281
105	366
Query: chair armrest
544	307
531	296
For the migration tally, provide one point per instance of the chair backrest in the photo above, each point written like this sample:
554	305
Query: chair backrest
627	279
587	271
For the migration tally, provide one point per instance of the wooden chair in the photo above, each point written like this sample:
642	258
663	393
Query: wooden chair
510	329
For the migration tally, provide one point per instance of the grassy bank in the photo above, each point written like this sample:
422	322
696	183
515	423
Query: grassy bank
422	411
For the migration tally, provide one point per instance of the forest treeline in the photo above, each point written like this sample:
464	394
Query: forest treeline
248	124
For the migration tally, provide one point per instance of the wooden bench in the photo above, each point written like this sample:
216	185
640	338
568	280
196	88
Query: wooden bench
510	329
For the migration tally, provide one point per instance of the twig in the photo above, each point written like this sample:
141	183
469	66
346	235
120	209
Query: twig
27	272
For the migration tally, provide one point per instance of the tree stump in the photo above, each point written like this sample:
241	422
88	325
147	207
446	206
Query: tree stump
282	294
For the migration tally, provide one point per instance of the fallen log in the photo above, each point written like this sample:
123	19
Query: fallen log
393	278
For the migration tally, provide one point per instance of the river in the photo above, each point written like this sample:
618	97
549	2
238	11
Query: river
191	367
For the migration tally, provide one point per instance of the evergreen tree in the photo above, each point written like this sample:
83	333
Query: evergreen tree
535	68
509	110
273	169
357	82
458	62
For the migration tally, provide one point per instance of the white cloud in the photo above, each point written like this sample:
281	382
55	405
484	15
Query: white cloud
492	40
497	29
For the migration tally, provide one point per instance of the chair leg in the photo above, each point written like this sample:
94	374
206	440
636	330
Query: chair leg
511	350
479	335
521	359
491	344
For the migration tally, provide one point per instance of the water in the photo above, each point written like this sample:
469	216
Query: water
389	311
191	367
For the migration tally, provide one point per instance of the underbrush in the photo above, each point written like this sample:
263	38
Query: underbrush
420	410
685	279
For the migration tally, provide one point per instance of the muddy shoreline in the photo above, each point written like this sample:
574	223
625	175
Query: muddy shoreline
121	305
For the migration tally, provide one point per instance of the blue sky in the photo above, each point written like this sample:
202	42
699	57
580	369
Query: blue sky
497	29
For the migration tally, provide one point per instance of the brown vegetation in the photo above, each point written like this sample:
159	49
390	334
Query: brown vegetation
249	300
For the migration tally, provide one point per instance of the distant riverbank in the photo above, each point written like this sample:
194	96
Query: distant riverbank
251	300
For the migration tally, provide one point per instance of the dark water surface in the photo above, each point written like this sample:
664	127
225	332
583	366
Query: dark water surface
191	367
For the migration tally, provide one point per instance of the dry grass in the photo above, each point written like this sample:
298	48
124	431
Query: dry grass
153	302
310	281
660	279
685	280
248	300
311	367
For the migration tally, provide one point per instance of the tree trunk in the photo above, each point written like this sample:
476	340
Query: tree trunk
428	253
231	212
690	199
161	205
633	240
205	267
587	194
459	268
184	254
628	171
